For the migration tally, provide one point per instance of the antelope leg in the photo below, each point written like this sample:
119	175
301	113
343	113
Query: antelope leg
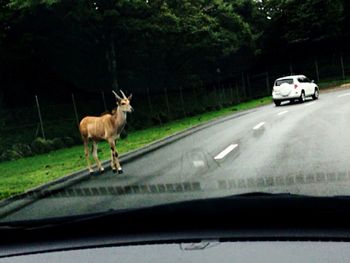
114	160
120	170
94	153
86	149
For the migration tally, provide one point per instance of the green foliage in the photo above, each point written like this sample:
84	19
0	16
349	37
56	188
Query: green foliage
307	20
68	141
10	155
124	134
58	143
22	149
123	38
156	43
23	4
40	145
17	151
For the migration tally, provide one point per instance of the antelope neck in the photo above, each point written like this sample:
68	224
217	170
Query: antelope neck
120	115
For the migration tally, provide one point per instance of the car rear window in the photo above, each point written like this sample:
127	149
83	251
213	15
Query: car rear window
281	81
304	80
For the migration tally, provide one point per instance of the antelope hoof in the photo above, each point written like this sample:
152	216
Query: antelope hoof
91	171
114	171
102	170
120	170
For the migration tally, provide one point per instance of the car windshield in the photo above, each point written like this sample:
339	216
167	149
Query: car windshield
125	104
281	81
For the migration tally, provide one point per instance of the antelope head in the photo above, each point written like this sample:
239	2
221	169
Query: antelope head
123	103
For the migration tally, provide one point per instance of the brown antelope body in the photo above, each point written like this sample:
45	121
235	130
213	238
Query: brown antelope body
106	127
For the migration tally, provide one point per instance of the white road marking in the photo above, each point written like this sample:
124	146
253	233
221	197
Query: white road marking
225	152
282	112
258	126
343	95
198	163
310	103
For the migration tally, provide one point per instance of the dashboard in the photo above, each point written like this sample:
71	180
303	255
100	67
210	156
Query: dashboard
203	252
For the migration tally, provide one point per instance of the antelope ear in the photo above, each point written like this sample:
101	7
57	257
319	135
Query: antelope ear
130	97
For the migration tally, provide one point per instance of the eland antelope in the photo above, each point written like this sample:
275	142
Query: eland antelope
106	127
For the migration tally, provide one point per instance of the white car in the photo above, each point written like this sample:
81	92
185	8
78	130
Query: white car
297	87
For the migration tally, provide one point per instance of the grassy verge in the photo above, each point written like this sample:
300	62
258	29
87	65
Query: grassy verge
20	175
326	84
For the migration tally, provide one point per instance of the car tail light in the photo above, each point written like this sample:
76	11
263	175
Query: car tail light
295	86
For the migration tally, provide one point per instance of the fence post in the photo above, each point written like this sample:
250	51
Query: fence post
151	108
231	92
40	119
342	66
268	83
249	87
149	102
317	72
104	100
216	95
195	98
224	94
221	96
167	101
182	101
75	110
243	86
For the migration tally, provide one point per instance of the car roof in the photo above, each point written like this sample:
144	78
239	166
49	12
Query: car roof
291	77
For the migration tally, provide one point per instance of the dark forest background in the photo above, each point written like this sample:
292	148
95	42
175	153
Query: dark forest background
54	48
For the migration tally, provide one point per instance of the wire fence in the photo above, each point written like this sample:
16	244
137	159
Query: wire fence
23	125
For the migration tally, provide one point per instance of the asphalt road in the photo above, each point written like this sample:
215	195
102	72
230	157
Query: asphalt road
296	148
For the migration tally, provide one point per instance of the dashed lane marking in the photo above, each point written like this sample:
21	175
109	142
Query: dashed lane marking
282	112
225	152
258	126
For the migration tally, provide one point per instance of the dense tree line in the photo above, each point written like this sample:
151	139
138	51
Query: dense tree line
58	46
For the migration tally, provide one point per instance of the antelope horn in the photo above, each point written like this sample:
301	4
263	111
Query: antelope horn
116	95
123	94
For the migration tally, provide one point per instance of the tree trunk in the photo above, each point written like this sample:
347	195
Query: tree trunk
112	63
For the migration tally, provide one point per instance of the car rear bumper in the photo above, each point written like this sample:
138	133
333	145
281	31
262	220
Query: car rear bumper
292	95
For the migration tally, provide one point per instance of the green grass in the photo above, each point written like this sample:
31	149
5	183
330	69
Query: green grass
332	83
23	174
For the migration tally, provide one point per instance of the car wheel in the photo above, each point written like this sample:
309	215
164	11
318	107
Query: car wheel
302	97
316	94
277	102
